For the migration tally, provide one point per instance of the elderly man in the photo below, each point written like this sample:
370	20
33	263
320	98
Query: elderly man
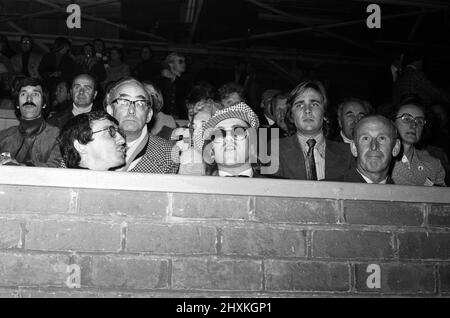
350	111
375	142
27	62
308	155
83	93
92	141
129	102
33	141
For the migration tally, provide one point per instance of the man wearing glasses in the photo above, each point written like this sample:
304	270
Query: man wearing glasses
27	62
83	93
92	141
230	142
130	104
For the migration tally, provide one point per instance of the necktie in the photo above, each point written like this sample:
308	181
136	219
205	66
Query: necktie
240	176
310	163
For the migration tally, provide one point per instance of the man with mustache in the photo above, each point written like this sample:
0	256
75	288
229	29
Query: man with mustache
92	141
129	102
33	142
83	93
375	142
308	154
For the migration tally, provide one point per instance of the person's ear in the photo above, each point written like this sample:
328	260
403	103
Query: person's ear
95	95
149	115
353	149
397	147
82	149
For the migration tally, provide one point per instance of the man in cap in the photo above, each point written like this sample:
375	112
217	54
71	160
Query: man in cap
230	142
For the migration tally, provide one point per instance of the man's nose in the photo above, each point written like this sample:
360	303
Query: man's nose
307	108
374	144
132	108
413	124
29	98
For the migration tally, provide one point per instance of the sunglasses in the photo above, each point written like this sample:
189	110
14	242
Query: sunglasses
113	130
408	119
238	134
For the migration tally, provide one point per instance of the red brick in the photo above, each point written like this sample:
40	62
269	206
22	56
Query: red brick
215	273
398	278
444	276
9	233
415	245
32	269
383	213
130	272
352	244
189	205
439	215
28	199
292	210
263	241
171	238
151	205
306	276
50	235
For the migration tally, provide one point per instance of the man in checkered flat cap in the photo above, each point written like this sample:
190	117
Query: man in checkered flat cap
130	104
230	142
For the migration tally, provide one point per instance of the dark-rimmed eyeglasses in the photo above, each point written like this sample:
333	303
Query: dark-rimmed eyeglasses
408	119
142	104
238	133
113	130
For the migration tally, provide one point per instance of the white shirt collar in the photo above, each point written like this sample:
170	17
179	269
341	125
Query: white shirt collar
345	139
269	120
248	173
370	181
81	110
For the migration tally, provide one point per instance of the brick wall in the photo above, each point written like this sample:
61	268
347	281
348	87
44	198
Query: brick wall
70	233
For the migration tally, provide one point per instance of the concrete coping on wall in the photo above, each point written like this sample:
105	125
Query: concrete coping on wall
76	178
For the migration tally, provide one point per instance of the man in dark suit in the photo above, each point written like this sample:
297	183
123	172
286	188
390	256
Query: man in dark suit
307	154
375	142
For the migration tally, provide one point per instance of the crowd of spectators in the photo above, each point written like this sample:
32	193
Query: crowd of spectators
95	111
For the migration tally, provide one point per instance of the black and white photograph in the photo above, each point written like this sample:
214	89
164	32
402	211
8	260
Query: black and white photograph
122	121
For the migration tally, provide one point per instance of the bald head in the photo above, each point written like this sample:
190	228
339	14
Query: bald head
373	121
375	142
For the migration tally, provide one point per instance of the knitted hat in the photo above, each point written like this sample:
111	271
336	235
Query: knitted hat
240	111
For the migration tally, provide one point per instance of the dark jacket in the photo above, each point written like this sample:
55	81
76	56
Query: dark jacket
352	175
44	147
338	159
